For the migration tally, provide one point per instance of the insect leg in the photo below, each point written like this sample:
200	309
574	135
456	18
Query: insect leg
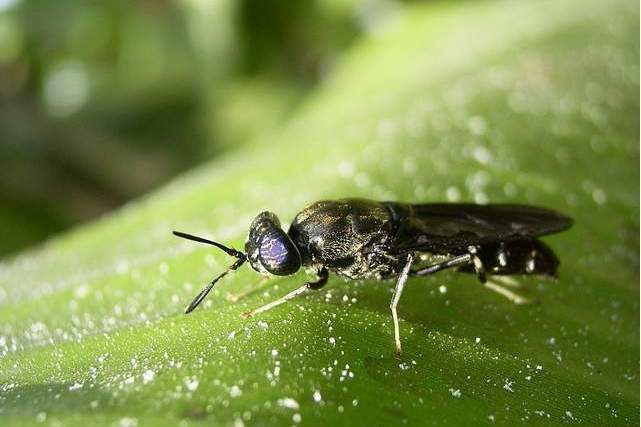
480	273
400	284
450	263
253	288
507	281
514	297
322	280
478	264
471	258
202	294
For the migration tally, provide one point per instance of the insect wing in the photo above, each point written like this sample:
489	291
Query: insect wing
452	227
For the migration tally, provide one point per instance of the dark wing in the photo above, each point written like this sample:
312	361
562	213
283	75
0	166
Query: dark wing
452	227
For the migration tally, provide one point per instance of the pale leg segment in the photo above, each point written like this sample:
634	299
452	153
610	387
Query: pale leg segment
322	280
400	285
253	288
279	301
492	285
507	281
512	296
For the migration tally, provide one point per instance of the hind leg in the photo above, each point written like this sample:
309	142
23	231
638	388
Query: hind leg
492	284
512	296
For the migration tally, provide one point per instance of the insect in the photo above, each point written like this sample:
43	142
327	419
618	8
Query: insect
365	239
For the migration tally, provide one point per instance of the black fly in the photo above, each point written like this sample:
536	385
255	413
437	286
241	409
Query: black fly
364	239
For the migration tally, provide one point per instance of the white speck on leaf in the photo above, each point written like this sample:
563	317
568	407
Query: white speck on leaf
235	391
289	403
128	422
453	194
76	386
148	376
482	155
191	384
599	196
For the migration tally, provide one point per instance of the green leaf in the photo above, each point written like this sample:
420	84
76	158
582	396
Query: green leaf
529	101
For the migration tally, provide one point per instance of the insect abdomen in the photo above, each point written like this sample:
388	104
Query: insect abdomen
517	257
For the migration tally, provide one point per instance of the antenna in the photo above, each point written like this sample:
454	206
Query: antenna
201	296
229	251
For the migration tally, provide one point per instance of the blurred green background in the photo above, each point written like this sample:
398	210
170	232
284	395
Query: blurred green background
103	101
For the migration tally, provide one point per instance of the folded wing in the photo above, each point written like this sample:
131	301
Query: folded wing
452	227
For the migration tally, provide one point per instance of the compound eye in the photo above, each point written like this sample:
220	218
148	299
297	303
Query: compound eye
278	254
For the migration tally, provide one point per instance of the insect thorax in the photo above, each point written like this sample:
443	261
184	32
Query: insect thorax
373	263
349	237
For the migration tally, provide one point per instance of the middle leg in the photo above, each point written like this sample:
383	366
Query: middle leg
400	284
472	258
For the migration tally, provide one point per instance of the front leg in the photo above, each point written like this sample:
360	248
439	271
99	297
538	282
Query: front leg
322	280
253	288
400	284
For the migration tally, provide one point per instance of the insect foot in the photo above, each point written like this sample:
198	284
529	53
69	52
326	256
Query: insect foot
398	353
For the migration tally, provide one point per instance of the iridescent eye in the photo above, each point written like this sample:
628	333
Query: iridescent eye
269	249
277	253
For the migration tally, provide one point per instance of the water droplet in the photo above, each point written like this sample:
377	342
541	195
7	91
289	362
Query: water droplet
482	155
453	194
235	391
191	384
599	196
128	422
288	402
148	376
76	386
262	324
